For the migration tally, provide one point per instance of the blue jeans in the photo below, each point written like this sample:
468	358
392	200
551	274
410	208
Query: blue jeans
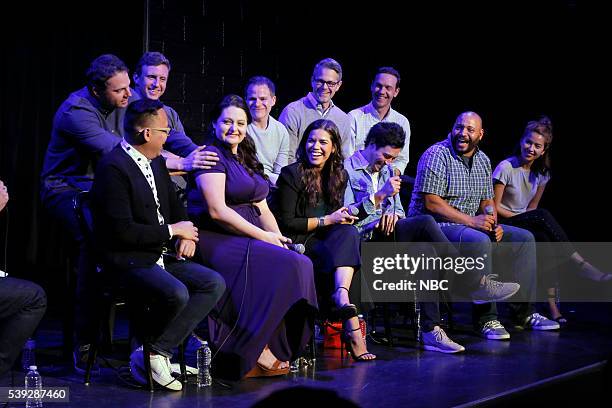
181	295
22	305
523	267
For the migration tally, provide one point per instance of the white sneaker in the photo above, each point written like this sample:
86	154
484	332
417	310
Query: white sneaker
494	330
536	321
437	340
160	370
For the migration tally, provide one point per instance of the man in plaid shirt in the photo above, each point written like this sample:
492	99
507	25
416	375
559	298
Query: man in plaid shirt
454	185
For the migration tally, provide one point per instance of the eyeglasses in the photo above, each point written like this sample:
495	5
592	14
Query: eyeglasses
165	130
330	84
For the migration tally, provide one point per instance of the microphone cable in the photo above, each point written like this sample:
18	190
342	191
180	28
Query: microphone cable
6	235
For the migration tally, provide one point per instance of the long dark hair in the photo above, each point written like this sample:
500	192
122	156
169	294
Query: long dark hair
543	127
329	183
247	153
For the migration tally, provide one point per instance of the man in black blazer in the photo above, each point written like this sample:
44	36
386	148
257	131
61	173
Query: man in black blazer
137	215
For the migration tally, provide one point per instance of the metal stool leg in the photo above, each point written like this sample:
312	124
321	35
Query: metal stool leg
387	322
146	357
91	359
181	358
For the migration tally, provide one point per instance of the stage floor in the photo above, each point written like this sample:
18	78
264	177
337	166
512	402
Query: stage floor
489	372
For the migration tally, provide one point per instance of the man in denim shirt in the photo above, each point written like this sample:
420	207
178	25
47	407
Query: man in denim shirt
372	191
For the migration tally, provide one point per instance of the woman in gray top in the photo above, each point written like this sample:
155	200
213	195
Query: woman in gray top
519	184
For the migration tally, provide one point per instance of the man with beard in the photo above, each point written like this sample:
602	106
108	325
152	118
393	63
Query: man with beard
372	193
88	125
454	184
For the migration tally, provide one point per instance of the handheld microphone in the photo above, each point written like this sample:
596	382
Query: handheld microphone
489	211
406	179
353	210
299	248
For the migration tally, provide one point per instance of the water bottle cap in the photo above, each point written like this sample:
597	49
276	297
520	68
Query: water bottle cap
33	368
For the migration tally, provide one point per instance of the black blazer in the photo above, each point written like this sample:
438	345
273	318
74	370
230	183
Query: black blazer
293	210
126	228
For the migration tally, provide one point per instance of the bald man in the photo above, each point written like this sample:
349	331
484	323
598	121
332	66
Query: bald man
454	185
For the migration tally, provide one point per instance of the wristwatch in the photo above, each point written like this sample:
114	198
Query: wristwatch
321	222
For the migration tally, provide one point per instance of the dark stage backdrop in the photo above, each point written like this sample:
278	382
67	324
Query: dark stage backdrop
509	61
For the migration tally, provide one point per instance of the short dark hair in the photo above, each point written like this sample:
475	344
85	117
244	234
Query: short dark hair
151	58
390	71
103	68
137	115
260	80
386	134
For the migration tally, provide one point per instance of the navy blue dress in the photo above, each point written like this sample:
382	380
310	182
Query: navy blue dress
270	297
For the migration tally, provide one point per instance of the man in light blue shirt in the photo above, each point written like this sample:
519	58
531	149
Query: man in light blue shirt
384	88
270	136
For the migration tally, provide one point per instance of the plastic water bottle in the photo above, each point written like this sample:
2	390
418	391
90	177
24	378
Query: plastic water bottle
27	355
204	357
33	381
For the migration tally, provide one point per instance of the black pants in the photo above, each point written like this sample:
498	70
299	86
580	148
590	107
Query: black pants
329	248
545	228
182	295
87	311
22	305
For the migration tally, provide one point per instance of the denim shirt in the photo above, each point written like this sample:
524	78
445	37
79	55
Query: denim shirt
360	191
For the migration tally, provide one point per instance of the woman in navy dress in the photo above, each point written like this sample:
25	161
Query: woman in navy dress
311	212
265	318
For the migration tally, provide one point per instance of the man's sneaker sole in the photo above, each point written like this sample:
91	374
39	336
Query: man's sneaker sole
543	328
496	336
445	351
481	301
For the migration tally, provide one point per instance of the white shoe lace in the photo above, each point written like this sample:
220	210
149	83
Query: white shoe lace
492	325
440	335
535	319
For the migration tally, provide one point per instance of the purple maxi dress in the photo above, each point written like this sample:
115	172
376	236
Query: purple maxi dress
270	297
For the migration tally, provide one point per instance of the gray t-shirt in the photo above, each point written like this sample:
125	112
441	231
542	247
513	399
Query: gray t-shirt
272	146
521	184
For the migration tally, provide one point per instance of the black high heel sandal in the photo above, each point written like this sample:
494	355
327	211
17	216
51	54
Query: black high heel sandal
560	319
347	341
343	312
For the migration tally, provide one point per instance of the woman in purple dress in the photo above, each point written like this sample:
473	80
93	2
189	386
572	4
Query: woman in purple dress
265	318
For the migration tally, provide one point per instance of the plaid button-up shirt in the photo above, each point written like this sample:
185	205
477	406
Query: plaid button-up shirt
443	173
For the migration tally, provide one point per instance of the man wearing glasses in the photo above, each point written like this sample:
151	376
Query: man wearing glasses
326	80
136	214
